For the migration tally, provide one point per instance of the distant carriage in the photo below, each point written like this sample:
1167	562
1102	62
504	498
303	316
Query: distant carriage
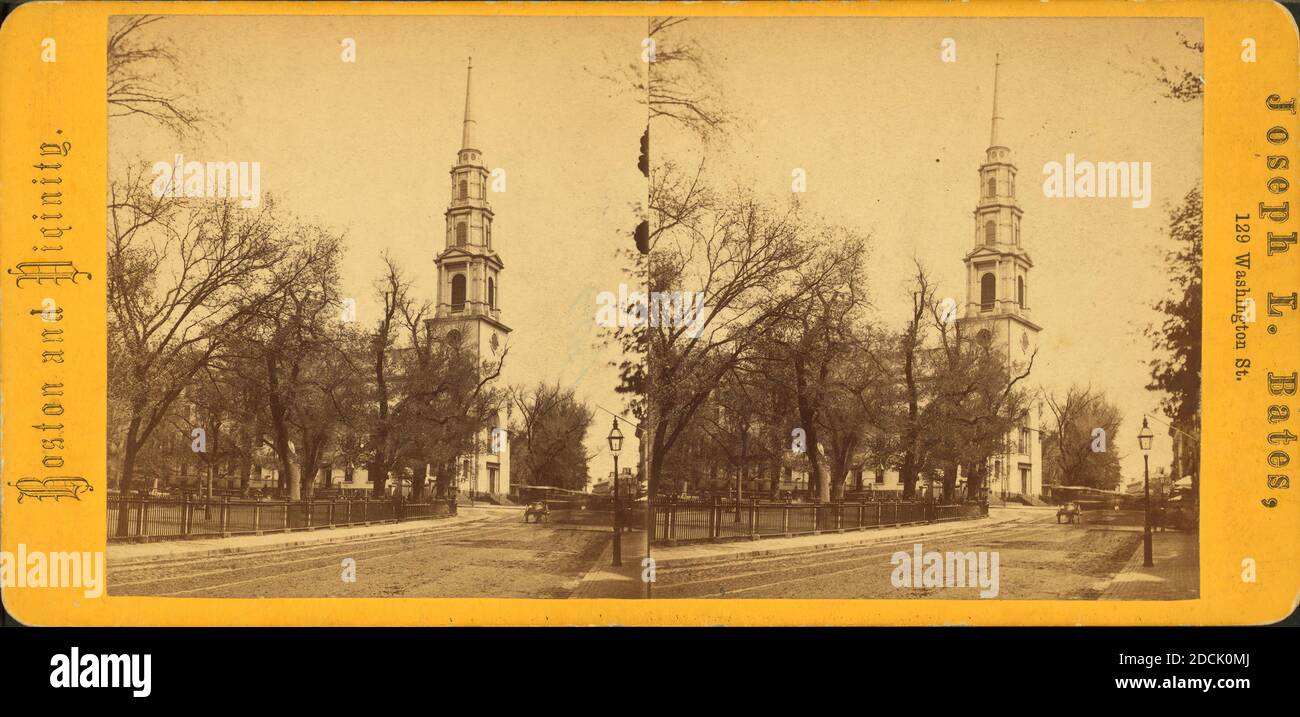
536	512
1071	512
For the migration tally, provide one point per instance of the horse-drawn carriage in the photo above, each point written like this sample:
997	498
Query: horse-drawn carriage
536	512
1071	512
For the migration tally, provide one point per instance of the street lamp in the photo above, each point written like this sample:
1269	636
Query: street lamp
1144	440
616	445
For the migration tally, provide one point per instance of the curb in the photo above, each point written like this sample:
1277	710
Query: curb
318	537
629	588
868	537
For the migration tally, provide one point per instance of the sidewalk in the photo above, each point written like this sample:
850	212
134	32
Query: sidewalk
705	553
604	581
121	554
1174	575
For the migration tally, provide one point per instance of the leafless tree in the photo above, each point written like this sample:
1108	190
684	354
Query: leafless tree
1071	450
547	447
136	68
182	278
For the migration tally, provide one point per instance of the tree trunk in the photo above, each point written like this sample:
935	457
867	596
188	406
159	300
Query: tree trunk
817	484
949	483
417	482
839	473
307	471
378	476
245	458
124	486
443	476
908	474
656	462
974	482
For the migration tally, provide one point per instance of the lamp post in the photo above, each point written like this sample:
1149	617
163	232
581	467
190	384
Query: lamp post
1144	440
616	445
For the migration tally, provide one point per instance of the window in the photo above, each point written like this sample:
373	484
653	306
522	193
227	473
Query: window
988	291
880	476
990	232
1011	181
487	234
1020	291
992	189
462	233
1023	445
492	293
458	292
464	190
1016	228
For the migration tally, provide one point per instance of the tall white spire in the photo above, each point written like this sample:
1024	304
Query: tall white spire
993	137
468	135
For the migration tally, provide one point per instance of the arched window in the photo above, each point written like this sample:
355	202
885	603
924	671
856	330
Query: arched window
992	189
464	189
462	233
492	293
990	232
1020	291
988	292
458	292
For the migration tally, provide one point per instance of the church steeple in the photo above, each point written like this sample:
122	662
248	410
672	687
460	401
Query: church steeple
993	134
997	304
468	139
469	152
469	268
998	265
468	312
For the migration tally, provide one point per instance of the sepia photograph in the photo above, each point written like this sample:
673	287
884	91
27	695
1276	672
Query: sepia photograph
353	331
951	277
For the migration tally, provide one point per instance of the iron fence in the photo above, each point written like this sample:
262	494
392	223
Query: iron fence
169	518
687	521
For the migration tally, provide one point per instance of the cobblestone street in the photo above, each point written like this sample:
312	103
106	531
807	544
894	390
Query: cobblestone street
499	556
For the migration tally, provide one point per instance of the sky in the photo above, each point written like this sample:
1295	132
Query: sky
891	138
365	148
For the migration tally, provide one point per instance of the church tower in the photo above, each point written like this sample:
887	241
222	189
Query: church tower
997	302
468	311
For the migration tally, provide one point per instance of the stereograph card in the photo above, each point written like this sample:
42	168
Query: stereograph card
457	314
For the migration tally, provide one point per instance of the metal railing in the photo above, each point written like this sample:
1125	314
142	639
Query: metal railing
170	518
687	521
